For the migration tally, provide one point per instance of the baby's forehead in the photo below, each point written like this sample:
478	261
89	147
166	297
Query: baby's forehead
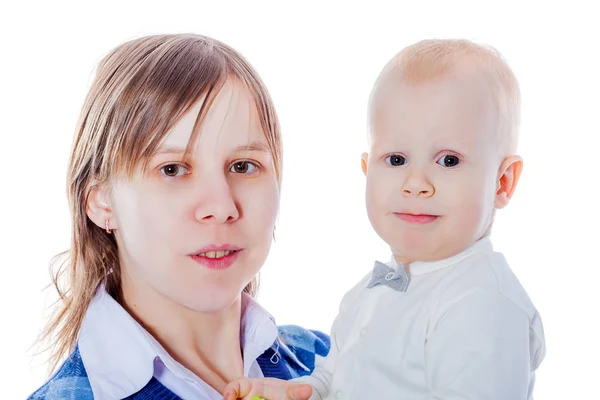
448	82
451	102
438	137
464	81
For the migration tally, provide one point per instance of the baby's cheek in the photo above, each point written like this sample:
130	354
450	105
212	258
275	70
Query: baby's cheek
378	217
377	188
374	200
469	220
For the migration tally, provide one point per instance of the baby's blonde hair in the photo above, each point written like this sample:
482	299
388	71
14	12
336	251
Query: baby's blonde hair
434	59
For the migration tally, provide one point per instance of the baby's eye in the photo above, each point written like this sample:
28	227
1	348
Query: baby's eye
449	161
243	167
396	160
174	170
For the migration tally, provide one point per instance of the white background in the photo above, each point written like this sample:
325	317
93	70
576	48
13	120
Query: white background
319	62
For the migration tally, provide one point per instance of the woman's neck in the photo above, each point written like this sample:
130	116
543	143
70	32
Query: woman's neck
206	343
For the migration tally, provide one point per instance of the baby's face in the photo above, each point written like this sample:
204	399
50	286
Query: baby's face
432	171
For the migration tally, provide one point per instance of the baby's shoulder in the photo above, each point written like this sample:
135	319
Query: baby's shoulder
486	275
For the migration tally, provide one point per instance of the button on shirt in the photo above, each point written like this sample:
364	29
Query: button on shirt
121	357
463	329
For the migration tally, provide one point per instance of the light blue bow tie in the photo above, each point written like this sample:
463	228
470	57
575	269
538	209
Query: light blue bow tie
384	275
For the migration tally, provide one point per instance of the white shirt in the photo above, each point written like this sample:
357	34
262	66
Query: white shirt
464	329
121	357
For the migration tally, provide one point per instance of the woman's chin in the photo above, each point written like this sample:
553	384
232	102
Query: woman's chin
209	299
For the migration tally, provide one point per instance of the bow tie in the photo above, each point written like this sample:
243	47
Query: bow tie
384	275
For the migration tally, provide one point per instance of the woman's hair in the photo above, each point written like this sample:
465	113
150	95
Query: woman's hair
140	91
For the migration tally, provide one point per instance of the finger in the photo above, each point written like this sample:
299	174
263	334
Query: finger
228	395
299	392
276	389
237	390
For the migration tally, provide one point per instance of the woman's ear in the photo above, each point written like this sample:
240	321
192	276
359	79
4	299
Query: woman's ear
98	208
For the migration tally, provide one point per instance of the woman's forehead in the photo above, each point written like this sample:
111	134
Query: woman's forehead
230	121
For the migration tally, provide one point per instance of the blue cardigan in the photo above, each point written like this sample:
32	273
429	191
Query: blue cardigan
292	355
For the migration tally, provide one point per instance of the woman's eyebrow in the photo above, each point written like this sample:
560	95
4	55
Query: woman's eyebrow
170	150
253	146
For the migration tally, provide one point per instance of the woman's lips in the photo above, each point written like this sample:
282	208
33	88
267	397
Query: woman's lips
216	259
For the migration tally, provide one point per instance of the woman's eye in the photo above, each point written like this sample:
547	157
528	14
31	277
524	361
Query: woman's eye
449	161
174	170
243	167
396	160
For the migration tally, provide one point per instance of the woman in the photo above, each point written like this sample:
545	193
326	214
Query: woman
173	188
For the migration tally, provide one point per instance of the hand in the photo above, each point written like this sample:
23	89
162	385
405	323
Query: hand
267	388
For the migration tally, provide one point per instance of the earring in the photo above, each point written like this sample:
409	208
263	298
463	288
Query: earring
107	228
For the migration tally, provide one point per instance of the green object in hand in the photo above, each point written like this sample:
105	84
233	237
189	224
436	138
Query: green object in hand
257	398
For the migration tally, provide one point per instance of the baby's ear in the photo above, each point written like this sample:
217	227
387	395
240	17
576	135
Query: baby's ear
508	177
98	208
364	162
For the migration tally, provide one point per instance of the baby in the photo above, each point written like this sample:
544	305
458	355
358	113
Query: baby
445	318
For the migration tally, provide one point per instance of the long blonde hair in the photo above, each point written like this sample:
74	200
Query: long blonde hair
141	89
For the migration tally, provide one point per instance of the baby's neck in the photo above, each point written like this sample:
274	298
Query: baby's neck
438	255
403	260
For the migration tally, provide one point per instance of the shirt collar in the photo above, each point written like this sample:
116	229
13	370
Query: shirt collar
483	245
118	353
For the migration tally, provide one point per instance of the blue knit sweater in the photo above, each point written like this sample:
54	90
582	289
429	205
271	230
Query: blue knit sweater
292	355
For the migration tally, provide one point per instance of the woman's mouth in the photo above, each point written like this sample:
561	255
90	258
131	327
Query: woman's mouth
216	254
216	259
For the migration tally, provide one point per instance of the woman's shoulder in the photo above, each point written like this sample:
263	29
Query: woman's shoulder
299	346
69	382
304	339
303	345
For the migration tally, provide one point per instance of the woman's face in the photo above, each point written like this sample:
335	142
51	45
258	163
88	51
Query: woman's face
196	231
